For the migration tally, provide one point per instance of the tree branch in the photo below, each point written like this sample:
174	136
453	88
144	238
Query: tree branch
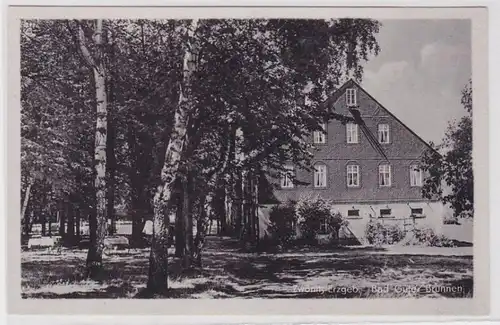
82	45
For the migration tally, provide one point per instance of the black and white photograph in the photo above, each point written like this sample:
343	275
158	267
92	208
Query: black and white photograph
209	158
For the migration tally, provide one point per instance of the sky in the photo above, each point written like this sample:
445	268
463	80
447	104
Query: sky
420	71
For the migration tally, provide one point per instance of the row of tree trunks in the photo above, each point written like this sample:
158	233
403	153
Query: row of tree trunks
241	207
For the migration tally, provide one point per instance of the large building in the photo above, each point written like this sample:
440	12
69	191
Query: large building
367	167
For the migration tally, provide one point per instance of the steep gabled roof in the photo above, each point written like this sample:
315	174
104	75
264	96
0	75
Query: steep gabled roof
341	91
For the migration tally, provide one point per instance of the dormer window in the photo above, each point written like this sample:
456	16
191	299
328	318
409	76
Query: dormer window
351	97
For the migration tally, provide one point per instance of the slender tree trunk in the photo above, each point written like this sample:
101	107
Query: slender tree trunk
43	223
37	208
202	225
111	200
50	221
187	222
228	209
110	149
32	220
237	204
219	208
96	63
158	262
249	207
26	197
245	206
136	189
240	187
70	232
42	210
28	216
62	222
179	222
255	206
77	223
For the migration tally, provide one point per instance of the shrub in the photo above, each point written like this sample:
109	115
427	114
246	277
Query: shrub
443	241
282	227
427	237
450	220
377	233
311	213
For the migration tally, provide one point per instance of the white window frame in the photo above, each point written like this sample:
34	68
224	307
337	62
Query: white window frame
383	129
384	173
352	133
323	226
286	179
320	137
320	176
416	176
351	98
354	171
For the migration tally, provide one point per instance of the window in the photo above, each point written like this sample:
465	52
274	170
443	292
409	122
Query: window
385	213
352	132
323	226
384	175
320	176
417	211
352	175
353	213
351	97
319	136
286	177
383	133
415	176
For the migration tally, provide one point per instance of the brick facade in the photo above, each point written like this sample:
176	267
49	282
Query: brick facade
404	149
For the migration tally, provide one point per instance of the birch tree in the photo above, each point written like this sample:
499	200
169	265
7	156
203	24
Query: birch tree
95	62
158	261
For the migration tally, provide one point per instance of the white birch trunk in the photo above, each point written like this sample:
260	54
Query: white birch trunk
26	198
95	62
158	275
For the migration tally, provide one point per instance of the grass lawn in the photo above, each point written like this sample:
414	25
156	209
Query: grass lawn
229	272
